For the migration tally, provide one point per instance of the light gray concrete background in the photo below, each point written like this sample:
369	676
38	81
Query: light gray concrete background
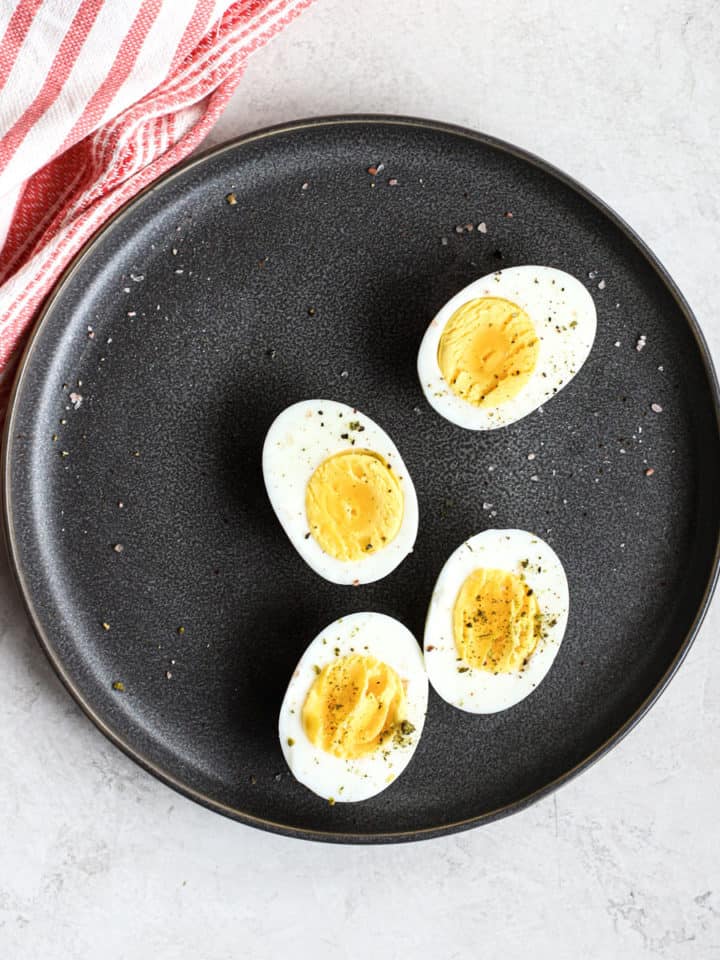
98	860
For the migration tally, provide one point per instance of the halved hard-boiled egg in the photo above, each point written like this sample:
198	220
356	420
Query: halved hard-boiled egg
341	491
354	708
505	345
496	620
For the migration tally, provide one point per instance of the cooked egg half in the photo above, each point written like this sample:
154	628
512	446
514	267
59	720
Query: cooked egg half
340	490
355	708
505	345
496	620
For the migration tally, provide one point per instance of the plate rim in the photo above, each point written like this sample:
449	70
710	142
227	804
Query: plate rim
15	562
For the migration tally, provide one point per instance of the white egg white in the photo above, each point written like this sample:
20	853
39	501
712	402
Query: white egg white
298	441
563	314
369	634
521	553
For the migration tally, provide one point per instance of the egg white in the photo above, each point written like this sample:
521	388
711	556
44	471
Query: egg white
298	441
478	691
368	634
553	300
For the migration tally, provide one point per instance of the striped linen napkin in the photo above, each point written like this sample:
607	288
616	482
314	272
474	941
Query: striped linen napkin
97	99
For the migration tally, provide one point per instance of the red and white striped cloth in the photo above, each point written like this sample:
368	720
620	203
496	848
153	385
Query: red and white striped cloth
97	98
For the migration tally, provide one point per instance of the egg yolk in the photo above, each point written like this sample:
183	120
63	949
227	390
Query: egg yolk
355	703
488	351
497	621
354	504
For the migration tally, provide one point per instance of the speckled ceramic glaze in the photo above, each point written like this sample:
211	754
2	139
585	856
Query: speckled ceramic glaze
162	587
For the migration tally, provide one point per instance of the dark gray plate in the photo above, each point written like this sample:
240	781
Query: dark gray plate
208	318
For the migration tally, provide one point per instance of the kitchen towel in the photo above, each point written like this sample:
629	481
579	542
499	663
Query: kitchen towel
97	99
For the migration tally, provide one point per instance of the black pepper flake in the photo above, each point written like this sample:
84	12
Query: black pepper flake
463	669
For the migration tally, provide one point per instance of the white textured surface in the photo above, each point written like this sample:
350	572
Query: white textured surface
97	859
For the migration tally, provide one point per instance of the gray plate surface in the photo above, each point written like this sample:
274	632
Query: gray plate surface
207	319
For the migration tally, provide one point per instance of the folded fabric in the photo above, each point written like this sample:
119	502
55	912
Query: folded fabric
97	99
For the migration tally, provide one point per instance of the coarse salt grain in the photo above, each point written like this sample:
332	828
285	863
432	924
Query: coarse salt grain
656	408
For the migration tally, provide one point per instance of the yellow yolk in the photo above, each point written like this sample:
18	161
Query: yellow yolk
354	705
487	351
497	621
354	504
